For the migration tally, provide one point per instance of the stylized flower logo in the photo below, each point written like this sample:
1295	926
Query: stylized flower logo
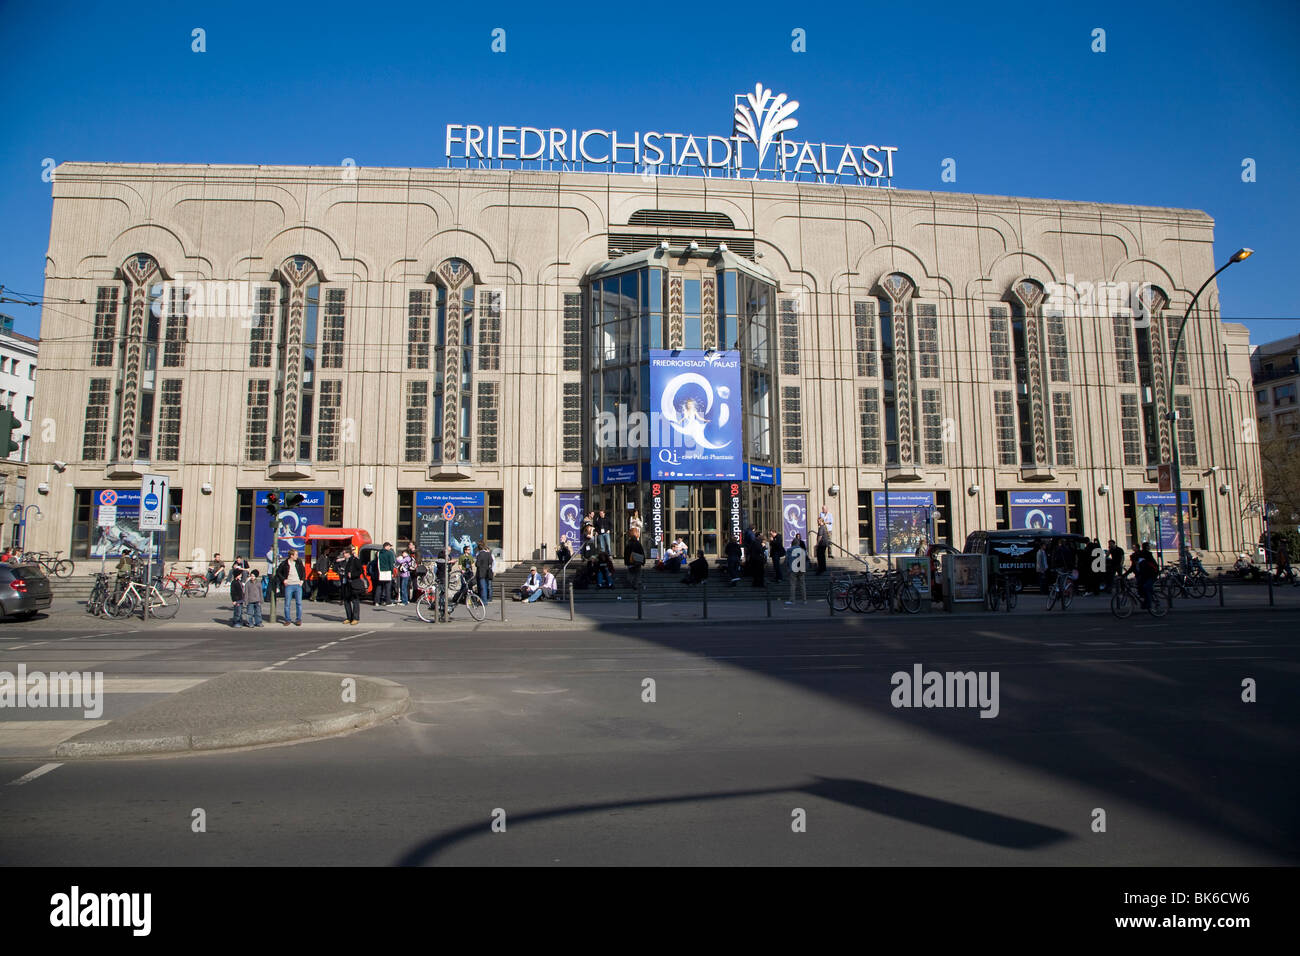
765	118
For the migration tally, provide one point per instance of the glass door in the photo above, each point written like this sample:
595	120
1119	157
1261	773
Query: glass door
710	520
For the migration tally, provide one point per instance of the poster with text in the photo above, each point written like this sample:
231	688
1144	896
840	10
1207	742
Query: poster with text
466	527
1157	519
902	525
1038	510
695	415
794	511
571	518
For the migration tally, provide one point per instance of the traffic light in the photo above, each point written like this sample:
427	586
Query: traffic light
277	501
9	423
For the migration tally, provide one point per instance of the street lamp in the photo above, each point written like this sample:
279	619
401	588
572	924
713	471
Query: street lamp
1239	256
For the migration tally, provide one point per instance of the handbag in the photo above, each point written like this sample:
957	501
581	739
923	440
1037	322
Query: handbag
385	575
357	585
637	558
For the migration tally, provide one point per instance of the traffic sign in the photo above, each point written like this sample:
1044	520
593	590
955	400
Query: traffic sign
448	511
153	503
108	497
107	516
1165	477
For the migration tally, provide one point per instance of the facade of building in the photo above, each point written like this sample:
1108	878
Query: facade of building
390	341
18	354
1275	367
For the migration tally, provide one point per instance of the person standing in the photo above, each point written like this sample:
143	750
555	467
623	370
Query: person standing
1147	569
351	584
777	550
1040	566
237	596
823	541
825	515
291	574
385	564
483	571
1114	562
403	572
253	599
634	558
755	558
635	521
733	560
604	532
797	563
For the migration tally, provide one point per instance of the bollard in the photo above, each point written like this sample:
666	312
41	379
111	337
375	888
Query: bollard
570	602
1270	590
501	601
704	585
1221	589
638	600
767	596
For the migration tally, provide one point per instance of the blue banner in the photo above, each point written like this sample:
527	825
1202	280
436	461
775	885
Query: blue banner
431	526
619	474
571	519
762	474
293	523
695	405
1038	510
794	510
905	523
126	533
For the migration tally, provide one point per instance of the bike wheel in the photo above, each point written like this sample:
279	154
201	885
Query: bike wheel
1009	598
63	568
124	607
909	598
164	604
1159	601
991	599
860	599
1052	593
1067	598
195	587
426	609
1121	604
839	597
1211	587
474	604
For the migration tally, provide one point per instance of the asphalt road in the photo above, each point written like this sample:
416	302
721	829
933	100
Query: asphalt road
549	731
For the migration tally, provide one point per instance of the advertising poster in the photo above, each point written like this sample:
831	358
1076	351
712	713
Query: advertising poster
916	570
292	525
1038	510
794	520
695	405
656	519
967	576
126	532
1157	520
571	519
466	528
906	520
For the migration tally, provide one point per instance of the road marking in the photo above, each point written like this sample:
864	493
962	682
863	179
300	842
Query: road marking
38	772
350	637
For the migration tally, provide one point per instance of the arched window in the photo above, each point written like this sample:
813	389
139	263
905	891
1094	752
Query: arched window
910	395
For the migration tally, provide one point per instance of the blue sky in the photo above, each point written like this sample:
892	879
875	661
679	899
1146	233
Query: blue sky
1184	92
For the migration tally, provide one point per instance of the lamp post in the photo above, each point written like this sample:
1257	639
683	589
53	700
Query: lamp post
1172	416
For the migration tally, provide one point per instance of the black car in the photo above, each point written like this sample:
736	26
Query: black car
24	590
1015	550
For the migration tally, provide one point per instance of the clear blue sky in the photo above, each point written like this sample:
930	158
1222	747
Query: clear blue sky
1012	91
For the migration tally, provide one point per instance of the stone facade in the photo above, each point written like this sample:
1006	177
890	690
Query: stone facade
528	239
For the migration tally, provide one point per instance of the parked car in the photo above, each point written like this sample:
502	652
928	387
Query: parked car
24	590
1015	550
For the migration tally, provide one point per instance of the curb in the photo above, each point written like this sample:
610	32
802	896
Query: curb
394	701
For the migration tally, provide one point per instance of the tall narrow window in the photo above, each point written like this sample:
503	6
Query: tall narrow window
932	425
887	369
332	329
572	413
864	339
169	421
177	328
417	407
488	421
790	336
927	340
760	414
791	425
1130	429
1058	355
1186	430
307	407
1180	367
1125	363
1000	344
1063	427
327	428
256	418
417	329
105	335
572	331
869	425
261	333
1004	419
489	331
95	437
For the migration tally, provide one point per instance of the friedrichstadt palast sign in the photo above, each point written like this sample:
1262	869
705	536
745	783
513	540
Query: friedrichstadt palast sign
757	147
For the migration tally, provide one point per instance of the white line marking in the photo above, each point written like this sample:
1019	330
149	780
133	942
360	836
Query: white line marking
350	637
38	772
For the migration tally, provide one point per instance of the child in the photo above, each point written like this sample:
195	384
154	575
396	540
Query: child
253	599
237	599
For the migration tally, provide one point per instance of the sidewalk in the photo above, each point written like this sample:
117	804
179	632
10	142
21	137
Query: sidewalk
593	612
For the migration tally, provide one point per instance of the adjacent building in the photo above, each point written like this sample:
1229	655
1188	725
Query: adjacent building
18	354
1275	367
709	351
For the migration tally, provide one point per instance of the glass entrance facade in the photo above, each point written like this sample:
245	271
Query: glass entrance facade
703	321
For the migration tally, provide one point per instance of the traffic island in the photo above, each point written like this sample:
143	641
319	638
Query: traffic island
246	709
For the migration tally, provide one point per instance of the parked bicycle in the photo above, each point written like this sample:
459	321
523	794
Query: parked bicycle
99	595
189	583
433	605
51	564
1126	597
134	596
1062	590
1002	593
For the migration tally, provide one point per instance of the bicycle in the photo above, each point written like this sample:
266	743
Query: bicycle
188	583
98	595
1003	592
433	605
1126	597
839	595
59	567
1062	589
161	604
